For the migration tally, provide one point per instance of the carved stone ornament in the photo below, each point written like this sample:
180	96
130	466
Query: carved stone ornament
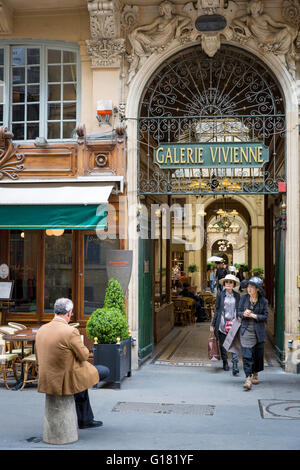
210	7
101	160
253	26
81	134
10	160
291	11
104	18
270	36
156	36
106	52
211	41
6	18
105	46
129	18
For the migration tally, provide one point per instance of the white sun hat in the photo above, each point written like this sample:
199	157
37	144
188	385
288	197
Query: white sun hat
230	277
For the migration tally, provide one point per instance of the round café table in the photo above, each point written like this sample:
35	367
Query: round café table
22	336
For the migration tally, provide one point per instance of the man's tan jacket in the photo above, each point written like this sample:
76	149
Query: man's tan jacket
62	359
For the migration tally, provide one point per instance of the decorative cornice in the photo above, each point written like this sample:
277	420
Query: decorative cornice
10	160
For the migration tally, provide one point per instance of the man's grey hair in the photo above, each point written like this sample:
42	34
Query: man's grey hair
63	306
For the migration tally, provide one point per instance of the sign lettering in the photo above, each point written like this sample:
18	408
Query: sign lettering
206	155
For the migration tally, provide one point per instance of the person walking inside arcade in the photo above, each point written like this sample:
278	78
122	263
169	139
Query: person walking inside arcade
253	310
227	302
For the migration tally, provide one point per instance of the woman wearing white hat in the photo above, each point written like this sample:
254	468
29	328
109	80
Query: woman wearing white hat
227	302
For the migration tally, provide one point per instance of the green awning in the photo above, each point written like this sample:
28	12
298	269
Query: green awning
77	217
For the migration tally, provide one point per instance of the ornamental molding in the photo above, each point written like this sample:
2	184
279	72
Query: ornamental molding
106	52
11	161
104	18
6	18
291	12
251	26
105	47
129	19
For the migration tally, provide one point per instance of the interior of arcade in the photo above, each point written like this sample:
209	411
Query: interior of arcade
234	232
193	100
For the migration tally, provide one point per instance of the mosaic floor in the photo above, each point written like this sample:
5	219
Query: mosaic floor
187	346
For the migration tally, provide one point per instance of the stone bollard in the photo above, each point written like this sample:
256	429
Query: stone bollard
60	420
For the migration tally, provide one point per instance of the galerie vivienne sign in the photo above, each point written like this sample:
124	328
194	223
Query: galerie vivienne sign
211	155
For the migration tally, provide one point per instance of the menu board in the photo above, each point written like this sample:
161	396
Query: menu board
119	266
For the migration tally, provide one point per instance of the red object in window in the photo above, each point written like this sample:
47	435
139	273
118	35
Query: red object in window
282	187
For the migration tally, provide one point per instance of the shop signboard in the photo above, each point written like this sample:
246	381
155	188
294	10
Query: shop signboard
211	155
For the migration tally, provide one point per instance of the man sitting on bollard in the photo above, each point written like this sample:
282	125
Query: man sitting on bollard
63	363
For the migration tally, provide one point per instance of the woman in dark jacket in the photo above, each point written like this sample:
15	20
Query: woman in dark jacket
226	309
253	310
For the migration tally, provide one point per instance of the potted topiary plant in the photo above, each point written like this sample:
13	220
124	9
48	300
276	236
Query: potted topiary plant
108	327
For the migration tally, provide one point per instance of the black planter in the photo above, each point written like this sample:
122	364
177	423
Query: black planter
117	357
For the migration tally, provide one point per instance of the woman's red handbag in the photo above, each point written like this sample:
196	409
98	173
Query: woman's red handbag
213	349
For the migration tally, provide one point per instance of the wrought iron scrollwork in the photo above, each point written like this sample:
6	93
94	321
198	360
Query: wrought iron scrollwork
193	98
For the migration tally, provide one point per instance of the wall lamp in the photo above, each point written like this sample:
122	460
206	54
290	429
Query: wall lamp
105	110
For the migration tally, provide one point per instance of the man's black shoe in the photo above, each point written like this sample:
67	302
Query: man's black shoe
225	365
92	424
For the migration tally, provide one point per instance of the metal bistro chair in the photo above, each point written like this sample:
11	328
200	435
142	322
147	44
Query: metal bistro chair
209	303
30	365
15	346
180	311
17	326
190	309
7	363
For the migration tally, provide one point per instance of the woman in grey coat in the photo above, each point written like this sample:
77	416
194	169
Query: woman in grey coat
226	309
253	310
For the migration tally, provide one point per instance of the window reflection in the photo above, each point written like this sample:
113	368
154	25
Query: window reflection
23	268
95	277
58	268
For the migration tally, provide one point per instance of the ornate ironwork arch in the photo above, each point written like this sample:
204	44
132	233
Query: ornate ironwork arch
232	97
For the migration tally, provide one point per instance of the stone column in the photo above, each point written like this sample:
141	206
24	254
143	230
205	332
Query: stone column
292	246
60	420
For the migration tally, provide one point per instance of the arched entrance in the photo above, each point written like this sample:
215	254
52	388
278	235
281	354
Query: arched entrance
239	235
217	250
202	121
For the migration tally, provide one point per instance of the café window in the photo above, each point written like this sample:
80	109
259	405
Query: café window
48	264
23	269
39	90
95	277
58	267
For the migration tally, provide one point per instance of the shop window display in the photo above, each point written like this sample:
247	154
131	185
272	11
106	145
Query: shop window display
95	277
58	268
23	269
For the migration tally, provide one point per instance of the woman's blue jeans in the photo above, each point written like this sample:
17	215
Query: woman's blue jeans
212	286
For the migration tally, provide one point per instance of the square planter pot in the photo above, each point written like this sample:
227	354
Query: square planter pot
117	357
